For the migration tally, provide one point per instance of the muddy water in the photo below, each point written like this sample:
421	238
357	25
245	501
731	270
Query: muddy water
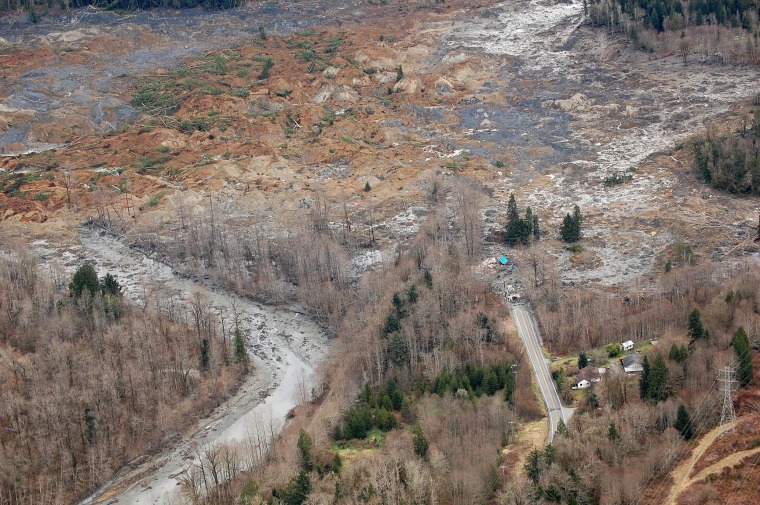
283	344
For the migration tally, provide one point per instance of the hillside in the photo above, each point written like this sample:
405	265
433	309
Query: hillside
331	184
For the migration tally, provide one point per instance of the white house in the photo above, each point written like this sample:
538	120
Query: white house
586	377
627	346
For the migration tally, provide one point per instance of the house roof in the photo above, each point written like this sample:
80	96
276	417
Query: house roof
589	373
631	359
628	342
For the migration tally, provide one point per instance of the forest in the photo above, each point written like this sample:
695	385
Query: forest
732	162
88	381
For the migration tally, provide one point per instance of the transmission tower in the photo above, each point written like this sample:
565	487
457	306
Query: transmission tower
726	376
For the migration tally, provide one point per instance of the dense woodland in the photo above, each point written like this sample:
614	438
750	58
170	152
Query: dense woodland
89	382
732	162
715	31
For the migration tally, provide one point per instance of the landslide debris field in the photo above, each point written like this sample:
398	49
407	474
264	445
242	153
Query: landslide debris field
267	109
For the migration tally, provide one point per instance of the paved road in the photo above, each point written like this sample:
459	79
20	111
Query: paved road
528	331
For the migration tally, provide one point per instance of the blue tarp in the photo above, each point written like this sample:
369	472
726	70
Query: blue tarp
503	260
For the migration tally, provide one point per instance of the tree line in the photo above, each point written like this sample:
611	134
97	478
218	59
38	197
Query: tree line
35	7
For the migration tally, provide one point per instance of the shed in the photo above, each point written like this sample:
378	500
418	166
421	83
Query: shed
628	345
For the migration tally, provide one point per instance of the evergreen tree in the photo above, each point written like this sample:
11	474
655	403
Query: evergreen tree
428	276
392	324
679	354
740	343
204	354
570	231
582	360
612	433
561	427
695	329
644	379
512	213
537	229
683	423
528	223
419	442
241	356
85	281
109	286
533	466
305	447
412	294
298	490
89	425
397	302
577	217
398	351
658	387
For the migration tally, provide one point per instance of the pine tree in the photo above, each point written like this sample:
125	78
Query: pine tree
392	324
695	329
109	286
204	354
412	294
512	213
305	447
571	229
561	427
582	360
533	466
241	356
740	343
683	423
612	433
419	442
537	229
644	379
85	281
89	425
658	387
528	223
577	217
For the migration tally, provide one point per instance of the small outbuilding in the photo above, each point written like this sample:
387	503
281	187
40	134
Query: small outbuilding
628	345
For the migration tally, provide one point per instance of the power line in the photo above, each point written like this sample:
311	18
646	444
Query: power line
726	376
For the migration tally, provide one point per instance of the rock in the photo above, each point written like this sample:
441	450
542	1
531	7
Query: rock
330	72
578	102
443	86
407	85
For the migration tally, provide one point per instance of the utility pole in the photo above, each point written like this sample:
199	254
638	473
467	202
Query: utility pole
726	376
